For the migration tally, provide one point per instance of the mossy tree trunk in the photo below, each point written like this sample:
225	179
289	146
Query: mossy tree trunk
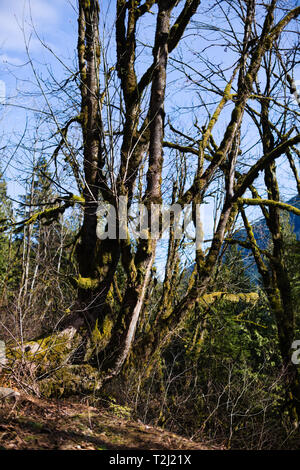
92	259
224	157
145	254
98	259
274	273
278	285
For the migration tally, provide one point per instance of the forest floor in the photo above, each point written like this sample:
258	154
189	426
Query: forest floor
32	423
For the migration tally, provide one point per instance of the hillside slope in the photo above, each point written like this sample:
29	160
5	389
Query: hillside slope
32	423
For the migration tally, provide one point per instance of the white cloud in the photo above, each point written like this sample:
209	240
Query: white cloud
10	60
16	15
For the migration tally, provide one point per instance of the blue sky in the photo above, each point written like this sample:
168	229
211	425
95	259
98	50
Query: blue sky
55	22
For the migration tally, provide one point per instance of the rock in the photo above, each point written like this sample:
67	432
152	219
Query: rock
8	394
33	348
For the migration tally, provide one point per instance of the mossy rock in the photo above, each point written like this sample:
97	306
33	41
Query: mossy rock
71	380
48	357
46	353
51	364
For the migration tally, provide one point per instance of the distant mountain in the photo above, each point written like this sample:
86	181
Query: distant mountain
295	219
260	228
262	236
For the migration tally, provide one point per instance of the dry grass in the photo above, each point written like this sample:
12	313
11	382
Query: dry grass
32	423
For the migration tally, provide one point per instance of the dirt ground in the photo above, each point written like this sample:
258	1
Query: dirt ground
36	424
